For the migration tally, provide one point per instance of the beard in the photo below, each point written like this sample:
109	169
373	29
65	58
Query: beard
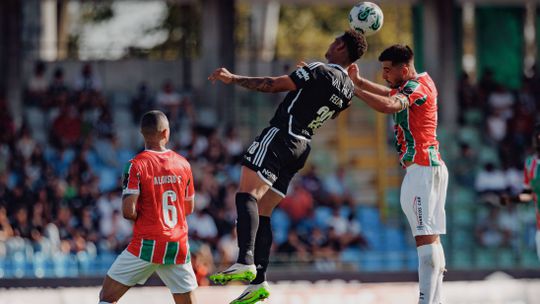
395	85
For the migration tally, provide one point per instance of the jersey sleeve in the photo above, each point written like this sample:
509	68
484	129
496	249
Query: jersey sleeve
131	178
306	75
412	92
190	188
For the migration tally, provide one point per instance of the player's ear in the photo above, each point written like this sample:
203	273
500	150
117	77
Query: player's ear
405	70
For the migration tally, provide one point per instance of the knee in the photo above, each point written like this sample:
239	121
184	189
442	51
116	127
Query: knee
422	240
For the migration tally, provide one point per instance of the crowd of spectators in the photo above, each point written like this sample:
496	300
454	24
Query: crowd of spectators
495	132
60	196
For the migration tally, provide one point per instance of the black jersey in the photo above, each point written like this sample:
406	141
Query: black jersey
323	91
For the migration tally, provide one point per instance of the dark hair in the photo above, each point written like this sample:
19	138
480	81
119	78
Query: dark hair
356	44
152	121
397	54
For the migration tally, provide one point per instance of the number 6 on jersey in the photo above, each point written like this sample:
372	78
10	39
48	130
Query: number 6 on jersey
170	214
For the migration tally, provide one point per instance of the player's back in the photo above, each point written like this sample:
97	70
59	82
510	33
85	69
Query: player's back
163	181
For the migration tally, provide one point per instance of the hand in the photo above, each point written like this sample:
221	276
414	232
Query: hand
301	64
221	74
354	74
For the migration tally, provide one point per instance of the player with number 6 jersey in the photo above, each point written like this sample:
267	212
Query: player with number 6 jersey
158	195
160	232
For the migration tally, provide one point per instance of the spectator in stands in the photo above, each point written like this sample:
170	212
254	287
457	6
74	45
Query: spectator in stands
6	231
497	126
169	100
501	101
337	185
25	143
487	84
488	231
202	227
233	145
490	179
36	89
141	103
313	183
66	128
346	229
7	125
297	204
58	92
227	247
293	247
104	125
467	94
21	226
464	169
87	81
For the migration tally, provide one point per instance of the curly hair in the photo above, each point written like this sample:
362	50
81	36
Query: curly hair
356	44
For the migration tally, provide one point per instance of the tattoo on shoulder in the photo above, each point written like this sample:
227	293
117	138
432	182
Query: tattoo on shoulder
263	84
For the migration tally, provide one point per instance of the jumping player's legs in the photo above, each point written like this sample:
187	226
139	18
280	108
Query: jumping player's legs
252	187
423	196
260	169
264	239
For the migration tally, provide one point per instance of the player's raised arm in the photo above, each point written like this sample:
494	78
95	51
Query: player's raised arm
364	84
262	84
383	104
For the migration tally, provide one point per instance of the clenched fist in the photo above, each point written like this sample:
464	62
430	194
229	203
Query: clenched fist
221	74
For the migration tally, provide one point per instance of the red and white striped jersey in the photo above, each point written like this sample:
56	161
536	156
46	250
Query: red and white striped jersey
164	182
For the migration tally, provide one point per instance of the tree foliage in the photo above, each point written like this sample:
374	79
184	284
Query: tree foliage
306	31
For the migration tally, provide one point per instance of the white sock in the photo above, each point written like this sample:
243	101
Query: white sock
429	265
438	298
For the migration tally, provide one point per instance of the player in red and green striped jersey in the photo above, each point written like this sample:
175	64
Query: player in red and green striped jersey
531	181
412	99
158	194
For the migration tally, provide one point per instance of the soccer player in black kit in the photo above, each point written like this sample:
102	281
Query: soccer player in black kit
317	91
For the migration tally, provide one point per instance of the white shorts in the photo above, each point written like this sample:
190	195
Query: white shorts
423	197
130	270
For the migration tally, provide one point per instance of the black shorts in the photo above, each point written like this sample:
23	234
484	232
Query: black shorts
276	157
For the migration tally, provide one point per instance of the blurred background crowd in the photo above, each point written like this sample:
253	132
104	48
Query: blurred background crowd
60	197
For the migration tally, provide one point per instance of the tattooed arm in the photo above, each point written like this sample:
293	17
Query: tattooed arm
261	84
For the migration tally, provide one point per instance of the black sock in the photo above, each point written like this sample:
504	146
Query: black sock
246	226
263	243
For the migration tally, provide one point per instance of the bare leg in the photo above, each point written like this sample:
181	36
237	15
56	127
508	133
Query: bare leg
184	298
112	290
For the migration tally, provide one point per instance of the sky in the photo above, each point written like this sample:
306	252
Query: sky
110	39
